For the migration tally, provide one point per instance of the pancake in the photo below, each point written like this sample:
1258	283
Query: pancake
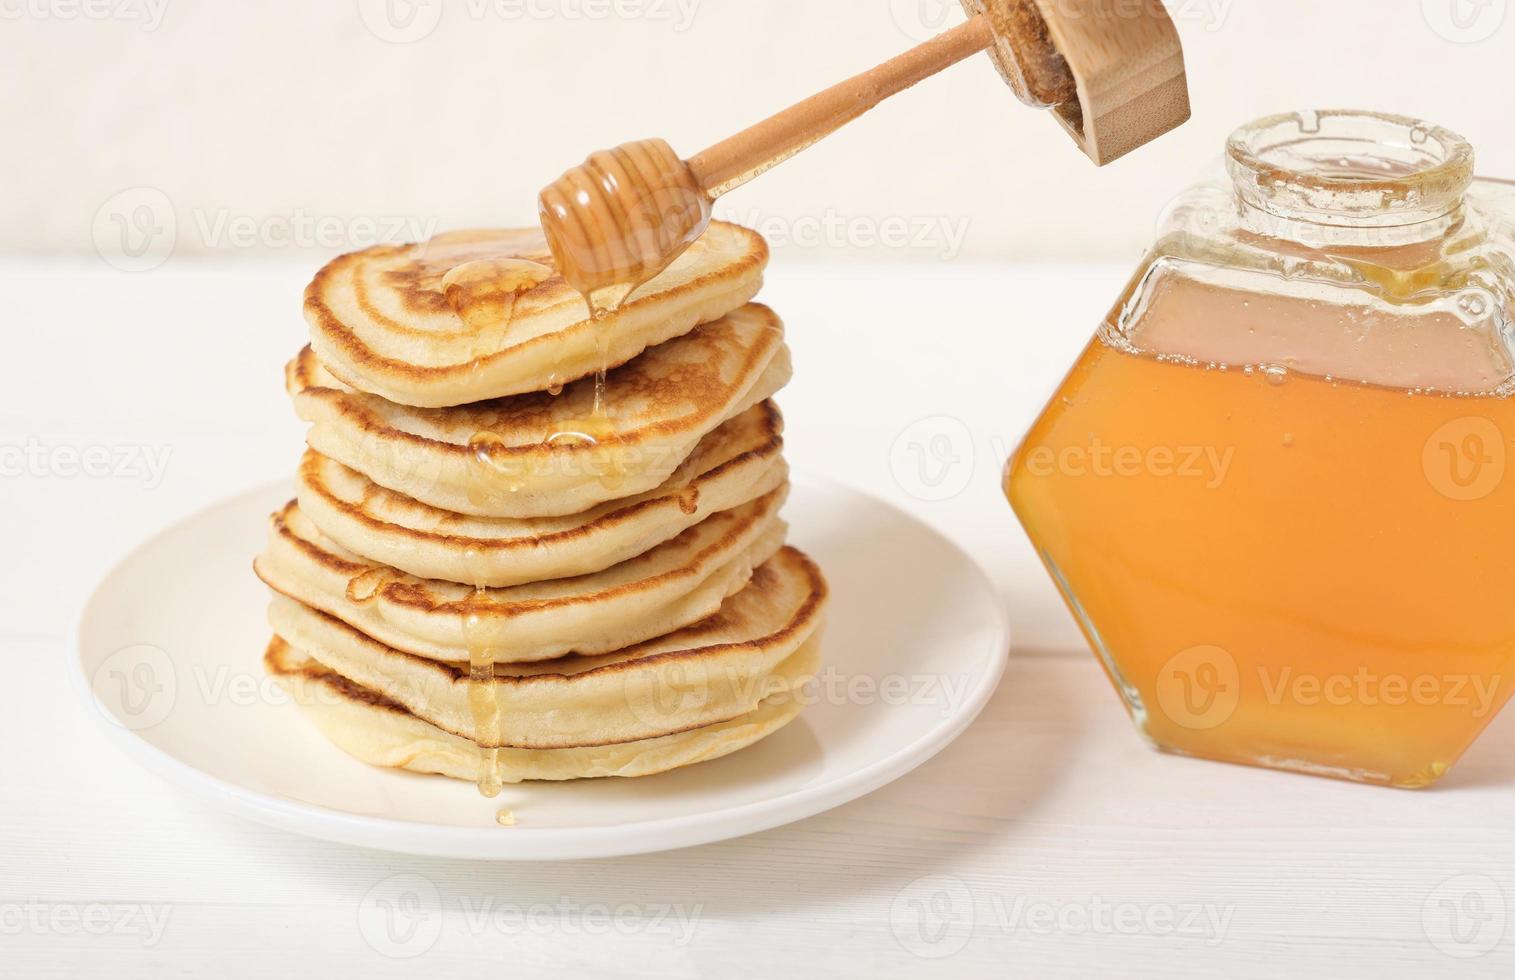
376	730
382	321
679	582
737	463
540	455
712	671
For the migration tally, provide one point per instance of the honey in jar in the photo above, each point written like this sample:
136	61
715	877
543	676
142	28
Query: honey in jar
1274	490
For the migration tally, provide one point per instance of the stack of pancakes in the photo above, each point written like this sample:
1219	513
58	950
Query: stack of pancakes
500	567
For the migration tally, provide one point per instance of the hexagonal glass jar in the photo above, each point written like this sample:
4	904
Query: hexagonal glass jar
1273	490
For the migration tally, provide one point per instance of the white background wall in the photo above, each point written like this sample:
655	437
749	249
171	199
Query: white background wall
252	120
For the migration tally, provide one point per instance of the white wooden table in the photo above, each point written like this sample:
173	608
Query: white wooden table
1047	841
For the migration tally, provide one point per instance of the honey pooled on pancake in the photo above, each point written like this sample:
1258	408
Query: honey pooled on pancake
483	292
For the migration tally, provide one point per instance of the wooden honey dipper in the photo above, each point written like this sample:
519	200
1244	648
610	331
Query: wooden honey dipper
1113	77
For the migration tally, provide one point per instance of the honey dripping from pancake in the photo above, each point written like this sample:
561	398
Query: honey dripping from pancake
483	703
501	472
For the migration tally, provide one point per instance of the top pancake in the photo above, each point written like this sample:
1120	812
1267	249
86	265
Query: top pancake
381	321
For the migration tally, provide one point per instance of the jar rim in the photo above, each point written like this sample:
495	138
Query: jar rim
1406	170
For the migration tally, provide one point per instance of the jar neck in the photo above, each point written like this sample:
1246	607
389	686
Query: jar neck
1349	179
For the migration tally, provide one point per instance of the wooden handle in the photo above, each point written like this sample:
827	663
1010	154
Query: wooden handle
732	162
1114	81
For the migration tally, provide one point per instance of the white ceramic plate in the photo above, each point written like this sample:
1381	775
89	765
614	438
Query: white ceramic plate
170	654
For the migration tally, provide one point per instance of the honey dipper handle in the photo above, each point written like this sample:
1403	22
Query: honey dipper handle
734	161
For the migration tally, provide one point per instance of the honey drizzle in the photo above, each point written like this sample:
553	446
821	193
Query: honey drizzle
592	431
613	224
650	210
596	430
483	702
503	474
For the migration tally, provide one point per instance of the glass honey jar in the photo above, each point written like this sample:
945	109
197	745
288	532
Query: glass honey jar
1274	489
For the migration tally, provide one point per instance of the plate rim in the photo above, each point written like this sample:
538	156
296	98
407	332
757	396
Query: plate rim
533	843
